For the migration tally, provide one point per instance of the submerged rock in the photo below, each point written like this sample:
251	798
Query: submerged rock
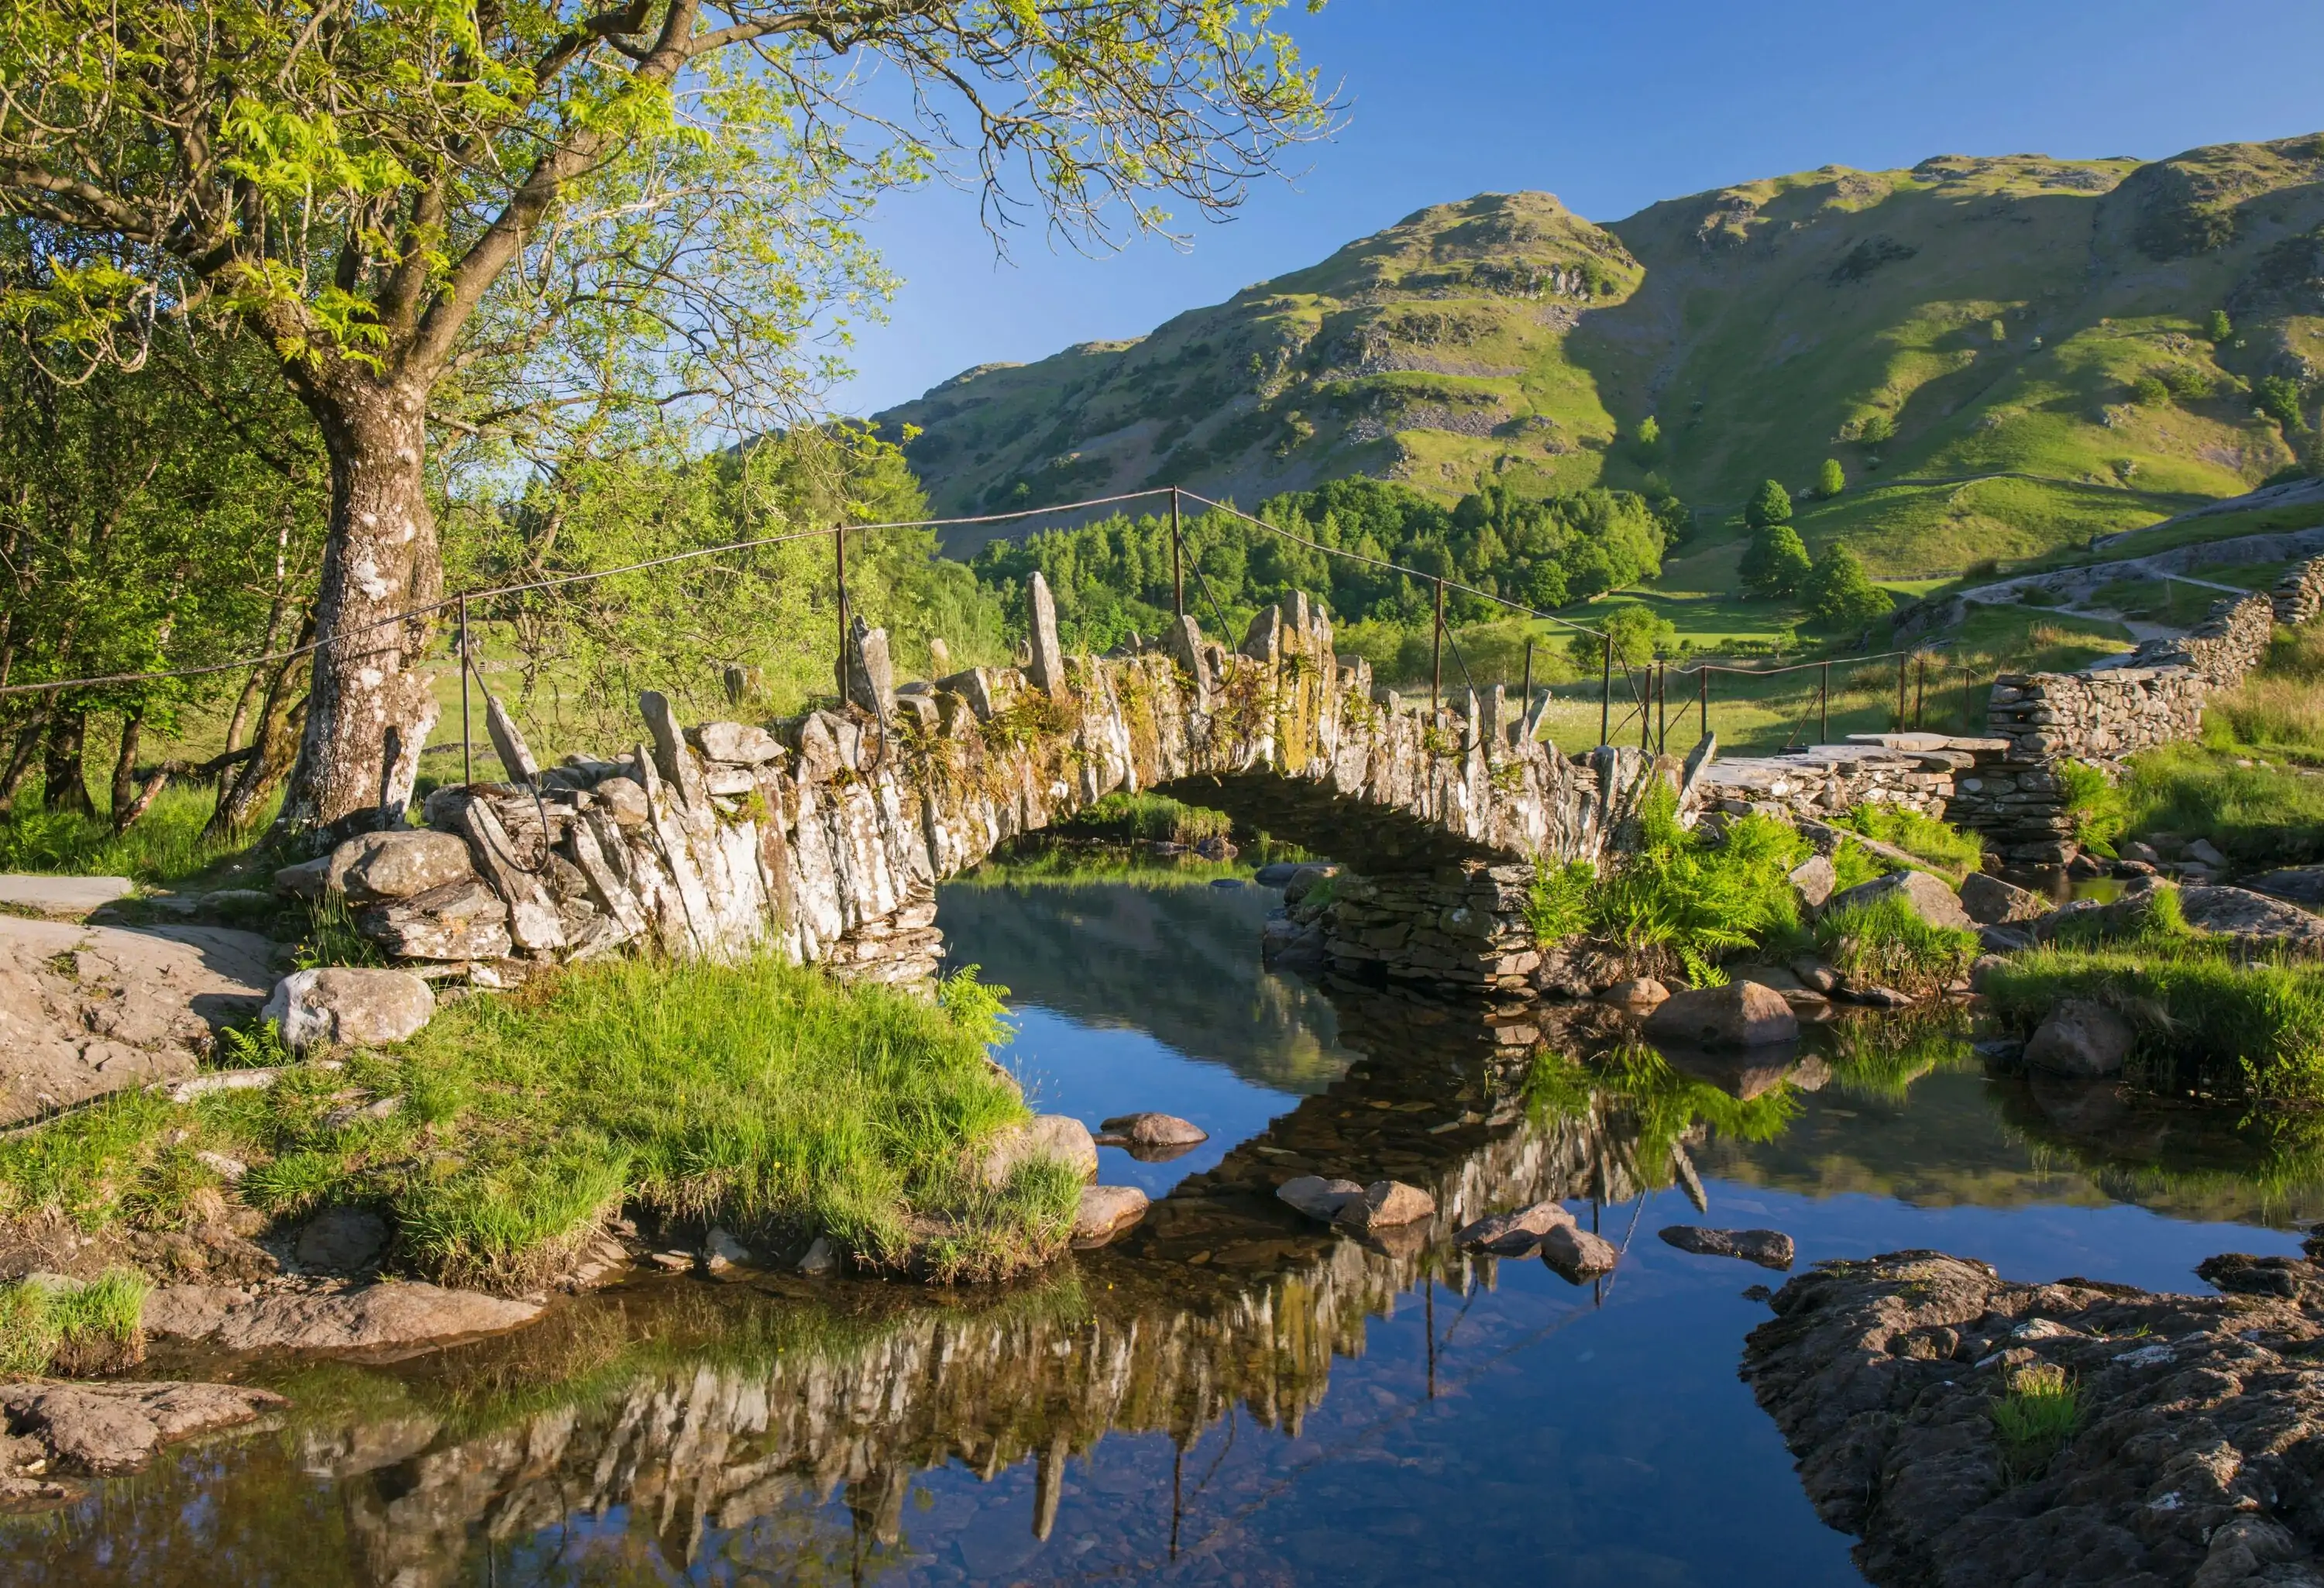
1151	1130
1770	1248
1514	1234
1637	993
1318	1197
2302	884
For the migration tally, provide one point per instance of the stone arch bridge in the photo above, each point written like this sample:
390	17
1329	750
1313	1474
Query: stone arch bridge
825	835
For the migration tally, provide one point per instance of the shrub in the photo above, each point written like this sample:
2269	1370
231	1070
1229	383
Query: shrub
1678	902
1831	479
1775	564
1640	633
2148	391
2220	327
1883	943
1769	505
2279	397
1875	429
1841	594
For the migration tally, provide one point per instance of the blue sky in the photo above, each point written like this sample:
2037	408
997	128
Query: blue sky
1611	107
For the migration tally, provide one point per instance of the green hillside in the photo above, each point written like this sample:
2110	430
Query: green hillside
2006	355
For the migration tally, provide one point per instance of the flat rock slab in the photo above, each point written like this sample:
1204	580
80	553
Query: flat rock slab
2196	1412
63	896
2239	912
370	1319
103	1429
1150	1131
1105	1212
2302	884
1770	1248
85	1011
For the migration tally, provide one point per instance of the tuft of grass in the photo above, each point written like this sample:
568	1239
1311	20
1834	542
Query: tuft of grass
2095	804
1882	942
74	1329
2257	816
1853	865
2205	1022
1922	837
2034	1416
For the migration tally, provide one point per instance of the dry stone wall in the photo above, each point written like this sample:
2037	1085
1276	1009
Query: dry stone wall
824	836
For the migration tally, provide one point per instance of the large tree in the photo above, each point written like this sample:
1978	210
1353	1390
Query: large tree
558	207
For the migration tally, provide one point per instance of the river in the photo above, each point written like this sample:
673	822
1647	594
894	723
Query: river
1230	1395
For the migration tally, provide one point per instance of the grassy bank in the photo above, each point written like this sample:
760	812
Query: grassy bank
71	1328
760	1095
164	846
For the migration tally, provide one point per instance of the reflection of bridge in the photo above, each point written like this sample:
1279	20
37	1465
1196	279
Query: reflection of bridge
829	838
669	1417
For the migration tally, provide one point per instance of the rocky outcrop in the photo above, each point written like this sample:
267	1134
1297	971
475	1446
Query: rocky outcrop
107	1430
2255	918
2201	1423
85	1011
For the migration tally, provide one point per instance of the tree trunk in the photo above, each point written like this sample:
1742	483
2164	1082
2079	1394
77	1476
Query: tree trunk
124	801
241	795
379	560
20	762
63	785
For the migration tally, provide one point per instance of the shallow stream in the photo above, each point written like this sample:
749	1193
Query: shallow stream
1230	1395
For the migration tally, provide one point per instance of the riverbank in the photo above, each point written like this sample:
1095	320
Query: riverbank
1971	1430
499	1148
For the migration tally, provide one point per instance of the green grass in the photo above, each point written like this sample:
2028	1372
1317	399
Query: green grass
2034	1416
164	846
2279	710
76	1329
1883	942
2257	816
760	1095
1922	837
2205	1022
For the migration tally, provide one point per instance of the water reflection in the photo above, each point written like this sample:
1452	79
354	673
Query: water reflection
1232	1393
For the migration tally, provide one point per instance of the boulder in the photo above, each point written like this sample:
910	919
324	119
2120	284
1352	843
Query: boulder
2082	1038
1514	1234
310	879
1385	1205
1574	1254
1813	880
2241	912
2301	884
1637	993
1050	1135
1275	874
821	1259
104	1429
1815	975
372	1317
1105	1212
1991	902
1983	969
342	1239
349	1005
2203	852
1741	1014
1151	1130
397	865
1318	1197
1305	880
744	743
1770	1248
1928	896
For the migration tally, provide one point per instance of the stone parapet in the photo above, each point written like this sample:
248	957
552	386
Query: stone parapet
2298	597
1915	772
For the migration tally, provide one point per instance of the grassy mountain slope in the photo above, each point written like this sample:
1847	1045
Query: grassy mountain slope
1963	337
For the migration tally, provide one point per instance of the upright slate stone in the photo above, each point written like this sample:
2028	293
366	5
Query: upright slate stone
1184	643
1047	666
508	743
939	659
872	679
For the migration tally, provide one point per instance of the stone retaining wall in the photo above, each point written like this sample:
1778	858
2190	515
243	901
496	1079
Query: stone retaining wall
824	836
1914	770
2299	595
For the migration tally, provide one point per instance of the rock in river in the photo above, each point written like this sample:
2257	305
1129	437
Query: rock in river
1741	1014
1514	1234
1151	1130
1770	1248
1992	902
371	1317
1926	896
1574	1254
108	1428
1318	1197
1050	1135
1105	1212
1385	1205
2082	1038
